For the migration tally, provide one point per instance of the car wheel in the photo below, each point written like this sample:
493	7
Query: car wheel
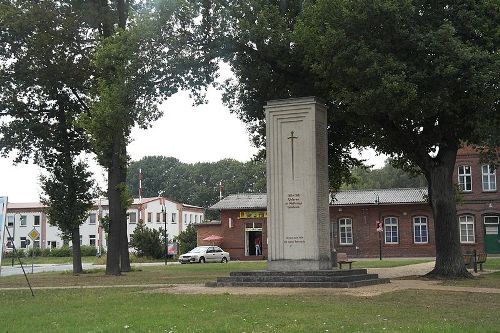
202	260
224	260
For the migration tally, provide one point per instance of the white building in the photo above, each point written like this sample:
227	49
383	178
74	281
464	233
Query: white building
158	212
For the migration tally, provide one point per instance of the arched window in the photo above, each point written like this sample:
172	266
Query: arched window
466	229
345	231
391	230
420	230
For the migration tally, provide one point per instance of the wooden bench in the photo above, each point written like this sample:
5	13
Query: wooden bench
481	259
343	259
471	260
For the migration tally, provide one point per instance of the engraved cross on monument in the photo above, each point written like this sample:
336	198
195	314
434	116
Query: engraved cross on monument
297	185
291	137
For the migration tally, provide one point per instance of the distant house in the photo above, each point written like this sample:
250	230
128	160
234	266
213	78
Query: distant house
23	217
408	225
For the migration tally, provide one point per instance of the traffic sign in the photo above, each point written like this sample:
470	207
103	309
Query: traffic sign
34	234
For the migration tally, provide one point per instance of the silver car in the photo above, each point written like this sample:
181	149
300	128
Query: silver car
204	254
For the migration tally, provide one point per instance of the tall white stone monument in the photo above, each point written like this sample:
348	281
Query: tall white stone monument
297	185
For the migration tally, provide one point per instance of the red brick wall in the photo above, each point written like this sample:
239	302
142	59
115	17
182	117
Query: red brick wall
365	237
233	238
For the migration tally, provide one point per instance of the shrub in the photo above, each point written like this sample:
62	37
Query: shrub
187	239
37	250
88	251
147	242
46	252
64	251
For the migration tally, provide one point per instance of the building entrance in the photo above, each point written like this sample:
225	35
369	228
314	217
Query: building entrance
253	237
491	234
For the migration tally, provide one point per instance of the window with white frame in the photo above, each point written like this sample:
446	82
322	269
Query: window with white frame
158	217
36	220
190	218
132	217
23	243
489	178
391	230
185	219
345	231
420	230
10	221
92	218
196	219
465	178
24	221
466	229
174	217
92	240
491	224
150	217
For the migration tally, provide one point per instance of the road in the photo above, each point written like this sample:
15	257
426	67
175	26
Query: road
40	268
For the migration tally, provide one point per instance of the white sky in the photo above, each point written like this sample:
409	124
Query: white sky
205	133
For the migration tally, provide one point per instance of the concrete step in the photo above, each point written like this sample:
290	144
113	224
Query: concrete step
297	278
352	284
333	272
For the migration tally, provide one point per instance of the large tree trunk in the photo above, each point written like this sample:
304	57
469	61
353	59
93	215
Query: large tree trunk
115	207
77	253
124	254
449	259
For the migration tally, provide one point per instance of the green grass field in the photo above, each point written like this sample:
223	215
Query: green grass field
142	309
134	310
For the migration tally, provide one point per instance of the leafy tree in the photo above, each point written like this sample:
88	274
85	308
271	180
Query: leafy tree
68	201
413	79
147	242
386	177
40	102
198	183
187	239
421	78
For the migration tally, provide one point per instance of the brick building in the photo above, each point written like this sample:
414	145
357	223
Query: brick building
408	225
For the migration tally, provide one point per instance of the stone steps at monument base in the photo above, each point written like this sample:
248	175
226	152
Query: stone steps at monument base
333	272
297	278
351	284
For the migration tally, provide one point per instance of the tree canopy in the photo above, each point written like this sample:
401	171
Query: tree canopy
386	177
413	79
198	183
44	65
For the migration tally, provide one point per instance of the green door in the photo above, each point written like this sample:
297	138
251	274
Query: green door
491	234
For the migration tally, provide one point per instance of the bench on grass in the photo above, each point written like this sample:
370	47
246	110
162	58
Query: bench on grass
481	259
474	259
343	259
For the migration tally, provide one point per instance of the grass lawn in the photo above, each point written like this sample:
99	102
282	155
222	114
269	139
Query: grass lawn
195	273
386	263
192	273
146	310
133	310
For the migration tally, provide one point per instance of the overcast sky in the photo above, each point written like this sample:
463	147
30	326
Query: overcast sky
205	133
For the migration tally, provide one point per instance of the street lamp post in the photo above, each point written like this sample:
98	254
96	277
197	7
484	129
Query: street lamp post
379	226
165	239
14	235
